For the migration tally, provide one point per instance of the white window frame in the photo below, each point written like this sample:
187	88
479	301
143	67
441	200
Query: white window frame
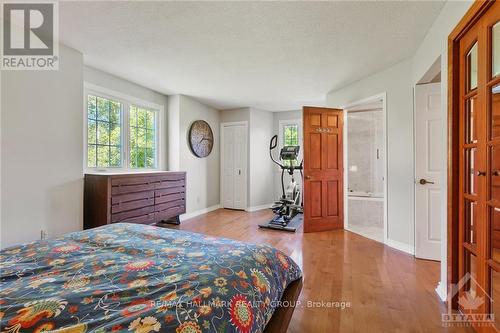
126	101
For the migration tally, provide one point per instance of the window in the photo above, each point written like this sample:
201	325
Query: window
103	132
142	138
290	135
121	132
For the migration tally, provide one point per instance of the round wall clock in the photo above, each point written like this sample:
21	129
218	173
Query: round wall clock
201	138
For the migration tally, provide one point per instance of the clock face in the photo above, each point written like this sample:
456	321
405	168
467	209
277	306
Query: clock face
201	138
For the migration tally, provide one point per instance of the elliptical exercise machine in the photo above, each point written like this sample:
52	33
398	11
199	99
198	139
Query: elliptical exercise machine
289	209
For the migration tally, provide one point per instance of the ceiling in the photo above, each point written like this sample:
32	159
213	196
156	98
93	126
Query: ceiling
268	55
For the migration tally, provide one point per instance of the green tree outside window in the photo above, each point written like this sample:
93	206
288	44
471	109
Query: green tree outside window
142	138
103	132
290	138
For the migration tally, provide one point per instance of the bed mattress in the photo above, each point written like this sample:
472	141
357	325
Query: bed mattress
137	278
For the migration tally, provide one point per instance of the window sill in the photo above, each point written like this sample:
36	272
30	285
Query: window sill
120	171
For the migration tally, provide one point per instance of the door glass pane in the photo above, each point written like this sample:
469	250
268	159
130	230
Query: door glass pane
495	297
495	234
470	222
470	286
472	68
495	111
495	173
495	41
470	174
470	119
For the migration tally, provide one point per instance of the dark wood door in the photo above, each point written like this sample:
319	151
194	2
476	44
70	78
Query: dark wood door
479	169
323	169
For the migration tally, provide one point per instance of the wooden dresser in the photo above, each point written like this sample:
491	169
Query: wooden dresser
145	198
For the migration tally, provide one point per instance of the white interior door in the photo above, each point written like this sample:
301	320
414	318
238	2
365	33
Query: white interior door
228	167
234	160
429	150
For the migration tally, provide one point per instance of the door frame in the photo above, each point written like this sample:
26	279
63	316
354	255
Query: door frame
347	108
477	9
221	171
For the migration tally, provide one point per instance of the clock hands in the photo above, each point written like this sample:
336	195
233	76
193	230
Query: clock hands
203	139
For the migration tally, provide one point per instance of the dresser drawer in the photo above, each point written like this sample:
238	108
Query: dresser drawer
165	184
130	214
171	204
171	177
131	188
159	199
142	219
127	197
132	180
169	213
169	191
131	205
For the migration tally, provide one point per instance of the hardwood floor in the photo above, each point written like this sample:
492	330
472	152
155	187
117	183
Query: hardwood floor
389	291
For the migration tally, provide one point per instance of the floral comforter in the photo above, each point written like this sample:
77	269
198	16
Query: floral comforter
136	278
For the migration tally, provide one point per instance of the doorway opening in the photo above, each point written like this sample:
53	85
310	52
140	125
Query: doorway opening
366	168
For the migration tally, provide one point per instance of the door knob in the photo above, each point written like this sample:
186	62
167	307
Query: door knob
308	177
481	173
425	181
496	173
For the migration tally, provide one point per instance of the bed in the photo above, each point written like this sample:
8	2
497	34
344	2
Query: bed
137	278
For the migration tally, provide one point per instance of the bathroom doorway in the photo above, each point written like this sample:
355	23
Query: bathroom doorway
365	165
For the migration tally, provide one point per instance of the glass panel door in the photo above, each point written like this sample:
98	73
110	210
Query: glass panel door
492	232
478	108
472	169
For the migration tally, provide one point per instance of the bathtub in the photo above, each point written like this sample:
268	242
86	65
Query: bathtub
366	209
365	195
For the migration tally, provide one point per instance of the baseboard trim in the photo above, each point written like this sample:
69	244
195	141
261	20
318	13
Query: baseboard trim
400	246
256	208
441	291
188	216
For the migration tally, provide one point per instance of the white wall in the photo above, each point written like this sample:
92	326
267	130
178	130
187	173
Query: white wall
173	133
396	82
235	115
435	45
202	173
261	166
109	81
42	151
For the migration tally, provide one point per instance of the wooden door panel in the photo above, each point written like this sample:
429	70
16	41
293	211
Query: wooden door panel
332	121
315	119
315	201
332	193
323	169
332	157
315	151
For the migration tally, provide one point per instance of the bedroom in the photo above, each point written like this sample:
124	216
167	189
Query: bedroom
157	96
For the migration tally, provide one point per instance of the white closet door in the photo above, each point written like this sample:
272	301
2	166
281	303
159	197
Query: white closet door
234	160
229	166
428	143
240	166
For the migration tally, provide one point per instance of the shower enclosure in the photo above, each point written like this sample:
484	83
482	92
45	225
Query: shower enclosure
365	173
